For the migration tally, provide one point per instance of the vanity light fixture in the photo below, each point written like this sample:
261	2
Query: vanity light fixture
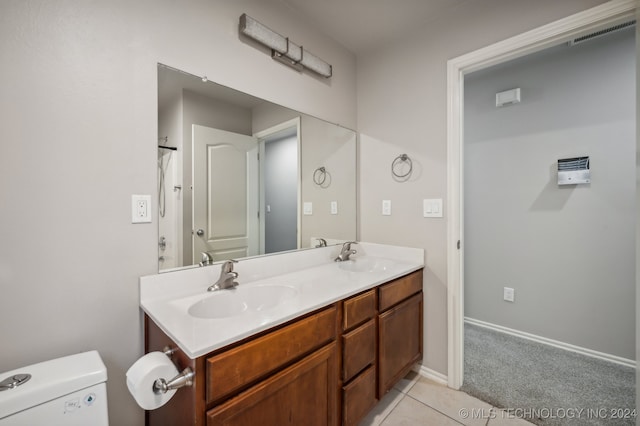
282	49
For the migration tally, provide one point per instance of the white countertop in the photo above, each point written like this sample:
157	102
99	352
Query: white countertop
318	281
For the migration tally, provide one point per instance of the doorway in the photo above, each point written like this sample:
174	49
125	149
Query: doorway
600	17
279	187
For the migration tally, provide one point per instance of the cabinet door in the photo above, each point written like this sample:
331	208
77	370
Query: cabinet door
304	394
400	337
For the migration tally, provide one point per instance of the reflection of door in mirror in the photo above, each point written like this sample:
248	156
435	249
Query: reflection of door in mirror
224	184
279	187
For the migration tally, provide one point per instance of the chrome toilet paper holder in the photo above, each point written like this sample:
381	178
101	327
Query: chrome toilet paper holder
183	379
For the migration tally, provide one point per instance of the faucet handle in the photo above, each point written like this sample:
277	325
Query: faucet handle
227	266
347	245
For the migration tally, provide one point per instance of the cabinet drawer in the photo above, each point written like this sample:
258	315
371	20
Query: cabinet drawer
306	393
358	397
398	290
238	367
358	350
358	309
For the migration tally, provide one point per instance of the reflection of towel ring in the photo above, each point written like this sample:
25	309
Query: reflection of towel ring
319	176
403	158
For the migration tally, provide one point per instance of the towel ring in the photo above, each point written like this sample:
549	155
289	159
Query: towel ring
320	176
400	159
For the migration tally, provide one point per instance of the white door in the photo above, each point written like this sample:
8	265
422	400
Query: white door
225	194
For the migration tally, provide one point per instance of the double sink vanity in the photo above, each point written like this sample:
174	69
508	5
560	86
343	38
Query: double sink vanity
301	340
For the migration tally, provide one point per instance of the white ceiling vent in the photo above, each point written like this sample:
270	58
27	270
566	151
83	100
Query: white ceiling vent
600	33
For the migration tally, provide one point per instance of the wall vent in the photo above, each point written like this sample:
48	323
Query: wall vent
572	171
600	33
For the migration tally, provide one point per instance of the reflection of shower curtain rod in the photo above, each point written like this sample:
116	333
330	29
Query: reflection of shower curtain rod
165	140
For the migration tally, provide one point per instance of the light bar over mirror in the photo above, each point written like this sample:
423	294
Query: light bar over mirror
283	49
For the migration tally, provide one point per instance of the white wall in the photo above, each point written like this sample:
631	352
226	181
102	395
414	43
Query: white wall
566	250
78	130
402	109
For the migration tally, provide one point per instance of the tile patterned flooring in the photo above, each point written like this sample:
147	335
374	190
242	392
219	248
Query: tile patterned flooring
416	400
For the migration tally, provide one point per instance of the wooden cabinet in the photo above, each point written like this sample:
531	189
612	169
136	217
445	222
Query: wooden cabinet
358	356
399	330
329	367
303	394
232	370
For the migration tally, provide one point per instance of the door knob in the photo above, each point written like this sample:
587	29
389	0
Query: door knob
200	232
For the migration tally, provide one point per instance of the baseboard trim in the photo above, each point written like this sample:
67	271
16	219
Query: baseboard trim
432	375
555	343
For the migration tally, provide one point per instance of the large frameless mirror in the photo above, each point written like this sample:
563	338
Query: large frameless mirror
239	176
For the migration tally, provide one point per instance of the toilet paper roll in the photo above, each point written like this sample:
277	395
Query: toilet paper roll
143	373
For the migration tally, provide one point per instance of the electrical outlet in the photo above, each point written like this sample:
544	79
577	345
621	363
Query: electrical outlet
140	208
509	294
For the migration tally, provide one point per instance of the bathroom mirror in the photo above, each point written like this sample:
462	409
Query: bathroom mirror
239	176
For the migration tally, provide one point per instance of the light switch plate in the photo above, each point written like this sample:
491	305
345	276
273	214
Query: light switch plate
386	207
334	207
141	209
307	208
509	294
432	207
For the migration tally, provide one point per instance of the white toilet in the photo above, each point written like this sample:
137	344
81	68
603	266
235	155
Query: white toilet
68	391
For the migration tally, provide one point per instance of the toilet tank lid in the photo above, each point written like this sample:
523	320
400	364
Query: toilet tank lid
50	380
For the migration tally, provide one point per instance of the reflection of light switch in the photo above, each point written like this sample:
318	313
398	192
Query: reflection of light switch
268	208
334	207
307	208
432	207
386	207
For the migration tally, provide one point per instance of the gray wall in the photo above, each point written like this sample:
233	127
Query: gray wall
568	251
637	216
78	132
402	108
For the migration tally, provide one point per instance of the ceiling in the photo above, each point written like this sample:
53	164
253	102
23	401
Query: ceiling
359	25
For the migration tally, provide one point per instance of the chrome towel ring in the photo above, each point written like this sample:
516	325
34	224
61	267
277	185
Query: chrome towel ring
320	176
396	167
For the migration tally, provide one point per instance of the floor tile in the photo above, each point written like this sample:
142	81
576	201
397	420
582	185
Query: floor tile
503	418
410	412
383	408
455	404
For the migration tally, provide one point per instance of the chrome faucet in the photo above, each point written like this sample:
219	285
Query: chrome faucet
227	277
346	252
206	259
321	242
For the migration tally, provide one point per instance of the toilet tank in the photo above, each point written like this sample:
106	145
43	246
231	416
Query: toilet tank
63	391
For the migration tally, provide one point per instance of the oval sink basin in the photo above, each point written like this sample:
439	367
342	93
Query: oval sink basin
229	303
366	264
